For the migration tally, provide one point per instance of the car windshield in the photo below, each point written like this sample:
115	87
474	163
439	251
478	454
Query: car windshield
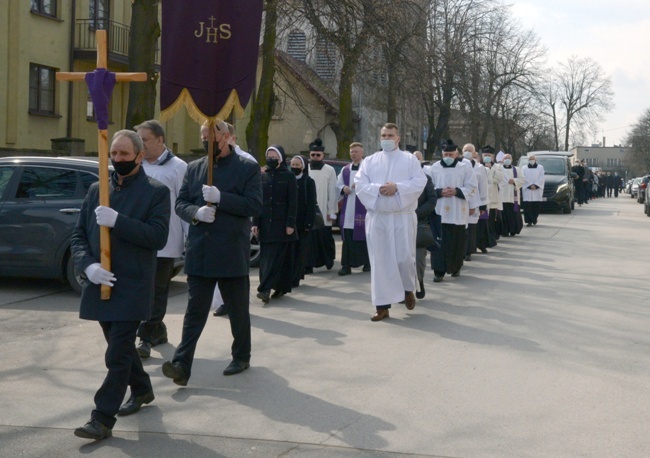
552	165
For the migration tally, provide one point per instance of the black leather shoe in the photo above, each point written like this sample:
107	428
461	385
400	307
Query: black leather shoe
175	372
159	337
345	271
235	367
221	311
456	274
133	404
93	430
483	250
264	295
366	268
420	294
144	349
437	278
468	257
277	294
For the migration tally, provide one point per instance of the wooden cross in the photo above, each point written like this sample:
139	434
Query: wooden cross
102	138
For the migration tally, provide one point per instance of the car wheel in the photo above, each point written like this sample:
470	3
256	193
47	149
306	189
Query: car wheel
255	252
70	275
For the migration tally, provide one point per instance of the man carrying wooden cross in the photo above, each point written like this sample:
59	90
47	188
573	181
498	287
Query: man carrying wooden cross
138	219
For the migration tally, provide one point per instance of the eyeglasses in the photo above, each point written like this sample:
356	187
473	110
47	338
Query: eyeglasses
315	154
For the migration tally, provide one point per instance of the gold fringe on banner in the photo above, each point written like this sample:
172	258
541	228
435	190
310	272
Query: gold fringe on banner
185	99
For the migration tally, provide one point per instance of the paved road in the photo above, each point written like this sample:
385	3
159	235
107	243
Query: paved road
540	348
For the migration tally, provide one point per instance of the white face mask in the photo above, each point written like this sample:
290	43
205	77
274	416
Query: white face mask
507	162
532	162
487	159
388	145
448	160
467	155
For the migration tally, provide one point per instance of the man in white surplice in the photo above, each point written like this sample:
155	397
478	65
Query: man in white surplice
388	184
532	192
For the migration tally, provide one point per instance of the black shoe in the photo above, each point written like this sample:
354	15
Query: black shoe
420	294
144	349
483	250
133	404
529	224
221	311
456	274
329	265
468	257
264	295
159	336
94	430
277	294
345	270
175	372
366	268
309	270
438	278
235	367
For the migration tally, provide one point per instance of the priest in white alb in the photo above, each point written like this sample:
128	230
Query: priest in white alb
455	184
510	195
532	192
388	184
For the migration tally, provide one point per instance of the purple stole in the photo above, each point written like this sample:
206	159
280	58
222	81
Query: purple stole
359	231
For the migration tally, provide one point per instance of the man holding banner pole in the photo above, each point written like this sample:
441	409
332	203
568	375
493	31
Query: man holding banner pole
218	250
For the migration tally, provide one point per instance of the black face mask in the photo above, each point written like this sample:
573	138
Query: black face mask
296	171
272	163
205	146
123	168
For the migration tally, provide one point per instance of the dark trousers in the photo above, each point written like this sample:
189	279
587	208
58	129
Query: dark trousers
531	211
449	259
354	253
578	192
154	327
236	297
124	370
471	238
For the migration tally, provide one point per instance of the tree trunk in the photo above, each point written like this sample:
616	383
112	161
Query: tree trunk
346	128
257	131
143	40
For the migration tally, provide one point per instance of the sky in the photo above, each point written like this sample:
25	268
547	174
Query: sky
616	34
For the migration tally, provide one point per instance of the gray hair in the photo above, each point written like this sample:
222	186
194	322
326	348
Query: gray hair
138	145
154	126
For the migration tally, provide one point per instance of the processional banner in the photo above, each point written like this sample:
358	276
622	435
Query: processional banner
209	56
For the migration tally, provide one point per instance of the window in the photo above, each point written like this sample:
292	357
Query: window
325	59
47	183
41	89
297	45
88	178
5	177
45	7
99	11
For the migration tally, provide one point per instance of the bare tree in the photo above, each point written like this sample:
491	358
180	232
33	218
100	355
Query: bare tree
347	25
143	41
638	141
257	131
585	94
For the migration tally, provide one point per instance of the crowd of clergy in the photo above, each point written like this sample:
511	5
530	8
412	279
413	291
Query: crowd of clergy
454	208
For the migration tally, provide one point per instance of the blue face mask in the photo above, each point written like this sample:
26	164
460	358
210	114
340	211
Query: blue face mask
448	160
507	162
487	159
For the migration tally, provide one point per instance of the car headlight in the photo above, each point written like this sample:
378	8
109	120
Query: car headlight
562	188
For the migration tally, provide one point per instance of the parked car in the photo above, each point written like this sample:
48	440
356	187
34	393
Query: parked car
634	187
40	200
643	185
559	189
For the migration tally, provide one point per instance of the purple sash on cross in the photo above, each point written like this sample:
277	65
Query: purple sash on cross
100	85
359	231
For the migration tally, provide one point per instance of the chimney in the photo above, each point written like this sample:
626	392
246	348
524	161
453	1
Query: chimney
604	141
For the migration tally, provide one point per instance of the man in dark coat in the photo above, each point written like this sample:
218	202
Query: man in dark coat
218	250
275	228
139	222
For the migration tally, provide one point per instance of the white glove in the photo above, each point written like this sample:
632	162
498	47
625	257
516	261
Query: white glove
99	276
106	216
206	214
333	216
211	194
